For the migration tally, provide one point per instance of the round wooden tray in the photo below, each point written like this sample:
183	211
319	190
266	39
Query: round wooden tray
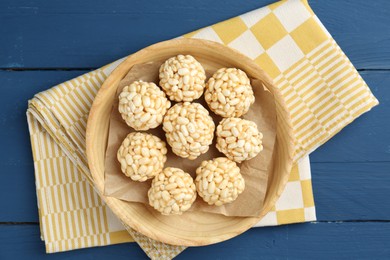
193	228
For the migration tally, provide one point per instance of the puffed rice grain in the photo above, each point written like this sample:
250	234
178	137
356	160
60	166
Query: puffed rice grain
219	181
229	92
183	78
239	139
172	192
143	105
189	129
142	156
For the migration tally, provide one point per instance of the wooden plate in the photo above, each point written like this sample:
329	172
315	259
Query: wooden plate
192	228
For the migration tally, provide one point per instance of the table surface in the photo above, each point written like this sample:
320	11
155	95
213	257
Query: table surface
44	43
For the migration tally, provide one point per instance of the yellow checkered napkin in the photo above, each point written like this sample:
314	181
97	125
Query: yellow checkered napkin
322	89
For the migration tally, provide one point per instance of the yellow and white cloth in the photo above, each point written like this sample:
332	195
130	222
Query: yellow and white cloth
323	91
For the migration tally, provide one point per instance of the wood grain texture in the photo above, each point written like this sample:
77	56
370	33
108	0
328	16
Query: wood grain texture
79	34
366	140
89	34
352	191
342	192
299	241
194	228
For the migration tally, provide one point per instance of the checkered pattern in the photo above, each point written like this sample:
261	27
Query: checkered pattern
296	204
322	89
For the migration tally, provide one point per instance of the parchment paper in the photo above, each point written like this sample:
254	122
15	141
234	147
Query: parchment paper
254	171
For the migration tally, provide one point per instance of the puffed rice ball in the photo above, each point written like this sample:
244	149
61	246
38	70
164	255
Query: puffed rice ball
143	105
229	92
172	192
182	78
189	129
219	181
239	139
142	156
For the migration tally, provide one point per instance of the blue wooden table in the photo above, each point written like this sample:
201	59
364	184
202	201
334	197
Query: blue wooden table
43	43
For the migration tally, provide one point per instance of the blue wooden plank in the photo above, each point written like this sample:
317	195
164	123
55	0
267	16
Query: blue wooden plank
303	241
351	191
75	36
88	34
95	32
300	241
366	139
342	192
